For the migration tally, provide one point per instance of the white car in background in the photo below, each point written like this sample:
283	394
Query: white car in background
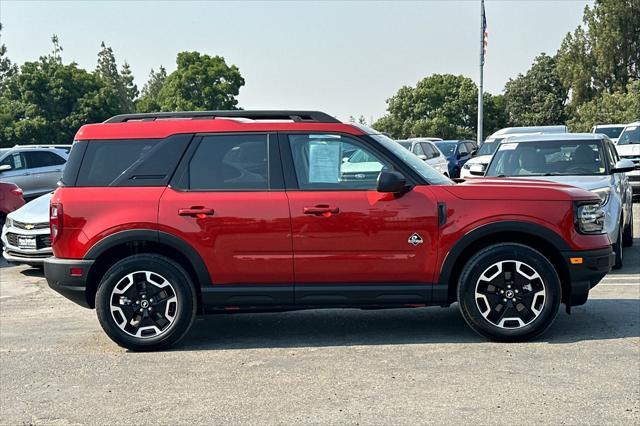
489	146
628	147
428	152
25	235
611	130
585	160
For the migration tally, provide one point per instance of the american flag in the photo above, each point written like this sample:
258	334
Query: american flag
485	39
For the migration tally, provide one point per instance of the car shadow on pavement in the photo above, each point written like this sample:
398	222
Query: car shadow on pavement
33	272
599	319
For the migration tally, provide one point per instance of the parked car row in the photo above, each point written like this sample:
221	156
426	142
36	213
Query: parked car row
28	173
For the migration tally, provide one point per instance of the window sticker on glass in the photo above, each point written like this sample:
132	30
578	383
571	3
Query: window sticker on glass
324	162
508	146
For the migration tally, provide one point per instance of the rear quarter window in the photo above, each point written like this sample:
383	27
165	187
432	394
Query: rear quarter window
128	162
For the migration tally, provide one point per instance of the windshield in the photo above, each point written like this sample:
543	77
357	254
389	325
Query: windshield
405	144
489	146
631	135
612	132
430	174
447	148
548	158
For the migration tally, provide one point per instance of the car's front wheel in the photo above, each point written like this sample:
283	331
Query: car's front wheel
146	302
509	292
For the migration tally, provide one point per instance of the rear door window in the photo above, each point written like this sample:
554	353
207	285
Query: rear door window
229	162
36	159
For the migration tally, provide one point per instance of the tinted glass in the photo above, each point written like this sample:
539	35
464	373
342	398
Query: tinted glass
434	151
230	162
405	144
336	162
106	160
489	146
447	148
612	132
549	158
470	146
417	150
631	135
462	149
42	159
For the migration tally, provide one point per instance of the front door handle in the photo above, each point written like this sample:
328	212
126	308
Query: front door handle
196	211
321	210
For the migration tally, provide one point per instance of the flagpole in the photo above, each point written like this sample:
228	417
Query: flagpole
480	89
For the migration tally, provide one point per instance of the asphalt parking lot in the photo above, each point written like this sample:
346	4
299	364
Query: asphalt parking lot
322	367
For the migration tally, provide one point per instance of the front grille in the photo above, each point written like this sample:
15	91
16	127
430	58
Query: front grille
634	177
27	225
42	241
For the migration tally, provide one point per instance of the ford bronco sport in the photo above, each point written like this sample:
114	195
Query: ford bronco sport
160	217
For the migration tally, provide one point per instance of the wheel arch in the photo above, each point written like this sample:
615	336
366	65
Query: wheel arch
546	241
125	243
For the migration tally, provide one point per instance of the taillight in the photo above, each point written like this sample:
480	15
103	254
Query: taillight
55	220
17	191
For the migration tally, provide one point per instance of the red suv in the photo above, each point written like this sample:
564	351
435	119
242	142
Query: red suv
164	216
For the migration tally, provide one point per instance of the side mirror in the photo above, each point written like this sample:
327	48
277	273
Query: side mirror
477	170
391	181
5	167
624	166
422	157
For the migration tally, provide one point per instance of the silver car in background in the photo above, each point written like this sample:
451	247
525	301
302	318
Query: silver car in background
36	169
428	152
25	235
585	160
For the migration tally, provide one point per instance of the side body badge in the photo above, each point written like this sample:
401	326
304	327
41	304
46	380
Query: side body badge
415	239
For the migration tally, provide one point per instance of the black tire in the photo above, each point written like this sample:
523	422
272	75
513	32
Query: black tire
163	270
618	248
546	278
627	236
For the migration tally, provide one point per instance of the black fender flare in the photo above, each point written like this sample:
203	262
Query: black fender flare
532	229
154	236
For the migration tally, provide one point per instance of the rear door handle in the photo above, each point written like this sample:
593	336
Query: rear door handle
321	210
196	211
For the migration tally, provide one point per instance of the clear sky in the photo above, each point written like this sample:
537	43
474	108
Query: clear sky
345	58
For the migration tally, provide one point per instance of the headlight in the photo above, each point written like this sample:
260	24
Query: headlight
8	223
603	194
590	219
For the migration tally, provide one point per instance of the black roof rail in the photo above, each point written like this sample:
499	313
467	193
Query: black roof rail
297	116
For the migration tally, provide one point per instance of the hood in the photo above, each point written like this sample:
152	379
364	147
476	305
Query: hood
36	211
629	149
518	189
585	182
481	159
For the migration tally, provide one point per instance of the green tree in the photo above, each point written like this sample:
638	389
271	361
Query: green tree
201	82
148	101
604	56
7	68
47	101
537	98
119	82
618	107
445	106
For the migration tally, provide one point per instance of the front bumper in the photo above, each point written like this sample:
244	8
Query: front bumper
30	256
586	270
73	287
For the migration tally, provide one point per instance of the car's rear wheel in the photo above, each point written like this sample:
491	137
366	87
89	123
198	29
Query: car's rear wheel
509	292
627	237
618	247
146	302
